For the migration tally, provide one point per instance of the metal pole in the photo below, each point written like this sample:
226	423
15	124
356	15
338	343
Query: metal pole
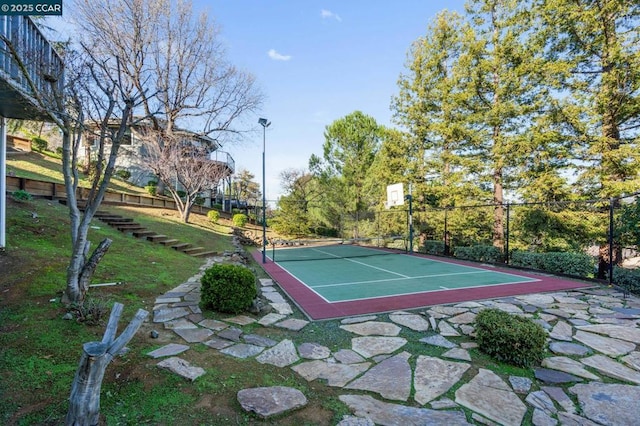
506	247
264	198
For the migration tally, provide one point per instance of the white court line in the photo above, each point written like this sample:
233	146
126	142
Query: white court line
425	291
363	264
399	279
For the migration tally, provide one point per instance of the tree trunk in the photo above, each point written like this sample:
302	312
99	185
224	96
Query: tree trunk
84	402
80	272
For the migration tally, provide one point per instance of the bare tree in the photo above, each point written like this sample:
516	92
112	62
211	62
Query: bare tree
163	44
96	96
183	163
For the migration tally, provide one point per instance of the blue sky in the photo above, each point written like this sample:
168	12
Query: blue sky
316	61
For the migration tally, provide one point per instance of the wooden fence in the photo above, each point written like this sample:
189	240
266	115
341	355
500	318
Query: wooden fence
56	191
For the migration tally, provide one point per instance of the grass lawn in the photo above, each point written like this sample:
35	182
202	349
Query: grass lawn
40	351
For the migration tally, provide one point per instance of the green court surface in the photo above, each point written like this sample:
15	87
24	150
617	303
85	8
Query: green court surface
339	273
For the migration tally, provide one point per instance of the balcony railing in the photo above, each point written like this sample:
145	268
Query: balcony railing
223	157
19	36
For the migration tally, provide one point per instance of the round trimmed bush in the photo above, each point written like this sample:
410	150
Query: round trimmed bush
228	288
510	338
240	219
213	215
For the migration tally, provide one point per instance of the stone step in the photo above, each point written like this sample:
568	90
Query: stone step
168	242
143	234
129	227
156	238
181	246
116	220
204	253
192	250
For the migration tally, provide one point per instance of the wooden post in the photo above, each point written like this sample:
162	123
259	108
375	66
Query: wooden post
84	402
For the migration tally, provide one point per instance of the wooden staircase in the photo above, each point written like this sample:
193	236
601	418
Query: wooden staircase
128	226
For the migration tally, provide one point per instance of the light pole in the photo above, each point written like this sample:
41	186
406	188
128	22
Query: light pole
264	123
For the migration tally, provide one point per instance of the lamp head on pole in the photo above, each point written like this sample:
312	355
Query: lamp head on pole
264	122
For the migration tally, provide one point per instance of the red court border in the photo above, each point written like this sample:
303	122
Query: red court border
318	309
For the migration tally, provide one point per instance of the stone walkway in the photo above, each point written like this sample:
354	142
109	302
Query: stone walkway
593	343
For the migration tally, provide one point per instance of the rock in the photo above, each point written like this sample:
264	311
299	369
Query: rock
167	314
231	333
355	421
562	331
154	334
501	405
292	324
372	328
412	321
434	377
335	374
255	339
168	350
182	368
630	334
611	368
606	345
558	395
355	320
609	404
447	330
391	378
540	418
193	335
541	401
553	376
383	413
281	355
271	401
438	340
568	365
520	384
347	356
457	353
566	348
313	351
371	346
242	350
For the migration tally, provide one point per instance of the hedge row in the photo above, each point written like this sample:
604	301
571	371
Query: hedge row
575	264
628	279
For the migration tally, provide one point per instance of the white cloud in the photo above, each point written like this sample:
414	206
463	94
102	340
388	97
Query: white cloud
278	56
327	14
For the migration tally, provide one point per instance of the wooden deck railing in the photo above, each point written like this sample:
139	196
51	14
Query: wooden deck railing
42	62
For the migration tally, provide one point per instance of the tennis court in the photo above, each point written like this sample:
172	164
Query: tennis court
339	280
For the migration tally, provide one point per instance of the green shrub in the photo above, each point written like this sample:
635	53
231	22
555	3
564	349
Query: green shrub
240	219
479	253
628	279
59	150
123	174
21	195
434	247
576	264
39	144
181	194
228	288
199	201
151	189
217	206
213	215
509	338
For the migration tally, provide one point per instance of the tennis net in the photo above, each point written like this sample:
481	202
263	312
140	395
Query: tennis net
300	250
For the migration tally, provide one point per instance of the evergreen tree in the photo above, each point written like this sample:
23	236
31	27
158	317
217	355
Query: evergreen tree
594	47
